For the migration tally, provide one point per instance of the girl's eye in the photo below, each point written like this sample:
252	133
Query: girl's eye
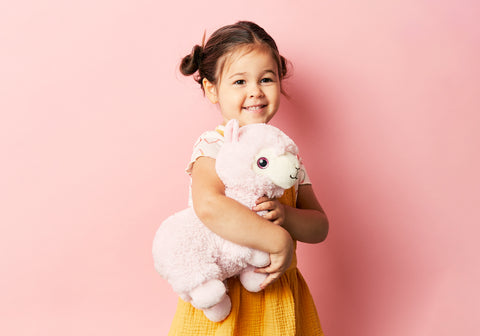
239	82
262	163
266	80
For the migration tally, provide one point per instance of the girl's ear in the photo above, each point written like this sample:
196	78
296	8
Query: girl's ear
210	91
231	131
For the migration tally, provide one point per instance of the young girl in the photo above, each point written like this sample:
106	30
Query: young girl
241	70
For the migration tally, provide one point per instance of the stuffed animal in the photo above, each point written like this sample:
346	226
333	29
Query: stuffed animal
255	160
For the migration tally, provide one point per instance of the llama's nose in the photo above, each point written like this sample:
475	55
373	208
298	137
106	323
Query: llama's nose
295	175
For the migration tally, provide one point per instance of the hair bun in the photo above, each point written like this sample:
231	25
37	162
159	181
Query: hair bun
191	63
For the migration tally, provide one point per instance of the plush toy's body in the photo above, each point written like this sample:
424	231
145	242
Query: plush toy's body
256	160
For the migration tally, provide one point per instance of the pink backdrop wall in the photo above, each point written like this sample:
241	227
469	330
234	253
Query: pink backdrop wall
385	107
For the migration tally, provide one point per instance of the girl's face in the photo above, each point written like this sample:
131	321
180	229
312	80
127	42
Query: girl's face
248	89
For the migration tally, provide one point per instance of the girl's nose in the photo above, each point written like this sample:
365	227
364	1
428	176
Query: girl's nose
256	91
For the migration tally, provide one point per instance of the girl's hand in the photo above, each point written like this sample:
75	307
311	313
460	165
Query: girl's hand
279	263
276	210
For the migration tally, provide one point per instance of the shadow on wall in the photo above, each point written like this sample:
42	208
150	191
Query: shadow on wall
351	273
304	116
368	271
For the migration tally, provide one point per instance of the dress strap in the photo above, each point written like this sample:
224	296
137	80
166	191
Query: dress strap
219	130
289	197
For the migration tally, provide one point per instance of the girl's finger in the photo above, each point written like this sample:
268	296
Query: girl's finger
261	200
261	270
268	269
269	280
269	215
263	206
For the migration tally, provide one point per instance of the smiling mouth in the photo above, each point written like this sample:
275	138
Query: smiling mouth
254	107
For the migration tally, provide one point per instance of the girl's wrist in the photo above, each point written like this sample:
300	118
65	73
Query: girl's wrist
283	241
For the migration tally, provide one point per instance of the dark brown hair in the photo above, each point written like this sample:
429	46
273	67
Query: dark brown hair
207	61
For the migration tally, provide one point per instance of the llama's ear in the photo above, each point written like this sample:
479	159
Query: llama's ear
231	131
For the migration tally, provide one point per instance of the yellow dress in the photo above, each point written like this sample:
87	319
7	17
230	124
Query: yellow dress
284	308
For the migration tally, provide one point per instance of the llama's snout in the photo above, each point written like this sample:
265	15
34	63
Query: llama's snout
282	170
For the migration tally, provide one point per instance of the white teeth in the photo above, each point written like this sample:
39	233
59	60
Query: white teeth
253	108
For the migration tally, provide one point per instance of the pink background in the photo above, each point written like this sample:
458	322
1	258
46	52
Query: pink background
96	127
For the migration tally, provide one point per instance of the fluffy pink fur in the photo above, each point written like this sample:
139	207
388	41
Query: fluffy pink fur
189	256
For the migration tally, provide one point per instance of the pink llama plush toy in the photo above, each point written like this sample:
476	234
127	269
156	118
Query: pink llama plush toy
256	160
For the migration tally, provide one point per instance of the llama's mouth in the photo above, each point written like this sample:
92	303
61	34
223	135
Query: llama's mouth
296	174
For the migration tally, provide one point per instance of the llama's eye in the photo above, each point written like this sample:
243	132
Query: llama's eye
262	163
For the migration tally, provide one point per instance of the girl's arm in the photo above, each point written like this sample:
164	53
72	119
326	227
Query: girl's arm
306	223
235	222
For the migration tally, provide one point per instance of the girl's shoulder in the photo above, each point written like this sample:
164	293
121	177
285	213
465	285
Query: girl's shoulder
208	144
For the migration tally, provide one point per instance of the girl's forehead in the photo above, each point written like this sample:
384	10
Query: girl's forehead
236	59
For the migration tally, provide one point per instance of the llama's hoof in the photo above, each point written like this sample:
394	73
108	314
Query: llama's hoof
220	311
252	280
208	294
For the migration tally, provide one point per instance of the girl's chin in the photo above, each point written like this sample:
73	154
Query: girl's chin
256	119
250	118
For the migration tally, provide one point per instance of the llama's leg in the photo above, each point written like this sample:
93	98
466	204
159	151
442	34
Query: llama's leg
252	280
259	259
208	294
220	311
